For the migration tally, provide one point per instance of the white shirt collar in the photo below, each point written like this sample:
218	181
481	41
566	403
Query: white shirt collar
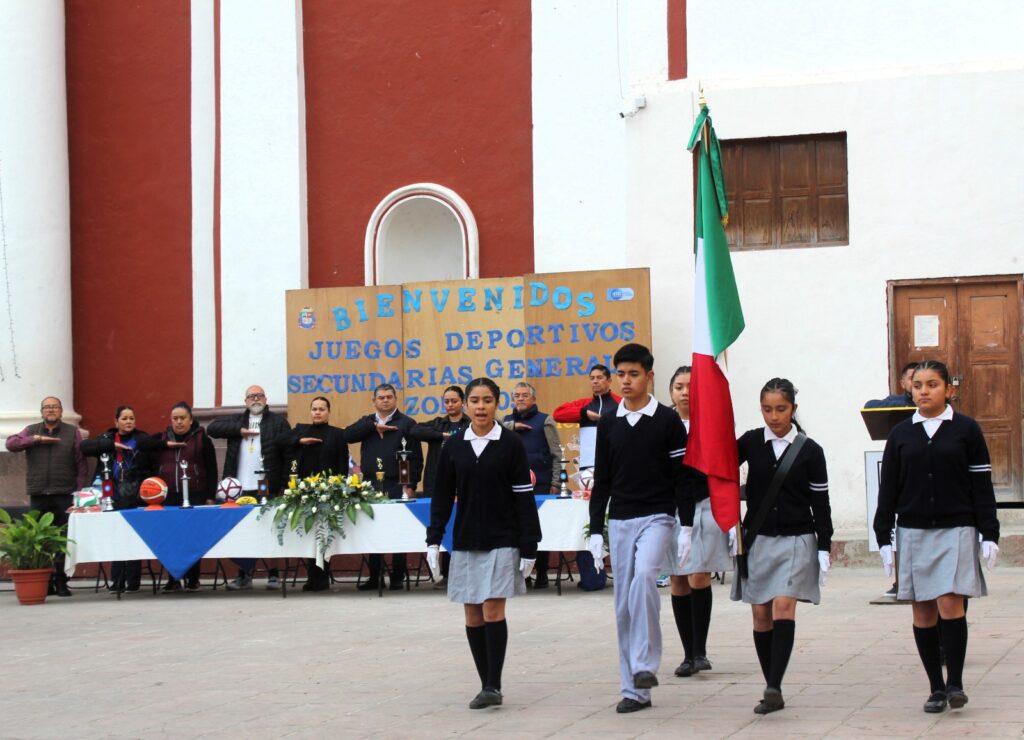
477	442
494	433
788	437
648	410
946	415
386	419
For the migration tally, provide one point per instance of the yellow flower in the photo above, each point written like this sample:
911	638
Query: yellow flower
291	483
353	480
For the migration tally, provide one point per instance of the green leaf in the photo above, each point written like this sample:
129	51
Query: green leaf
310	520
351	511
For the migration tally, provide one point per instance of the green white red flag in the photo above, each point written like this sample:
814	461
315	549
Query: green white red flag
717	322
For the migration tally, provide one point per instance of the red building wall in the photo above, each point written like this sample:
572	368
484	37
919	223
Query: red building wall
412	92
128	84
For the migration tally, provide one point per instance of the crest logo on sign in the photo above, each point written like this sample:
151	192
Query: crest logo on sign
620	294
307	319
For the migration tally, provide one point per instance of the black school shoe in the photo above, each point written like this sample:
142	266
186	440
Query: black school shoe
772	702
369	585
687	669
701	663
936	703
956	697
486	698
627	706
644	680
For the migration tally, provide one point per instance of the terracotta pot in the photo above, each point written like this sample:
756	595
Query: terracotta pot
31	585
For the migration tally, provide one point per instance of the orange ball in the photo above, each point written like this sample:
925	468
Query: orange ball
153	490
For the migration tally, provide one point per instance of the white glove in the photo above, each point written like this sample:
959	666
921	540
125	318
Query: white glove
989	551
824	563
595	544
732	541
433	561
526	566
886	553
683	544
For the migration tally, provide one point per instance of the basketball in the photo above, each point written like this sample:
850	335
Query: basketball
153	491
229	489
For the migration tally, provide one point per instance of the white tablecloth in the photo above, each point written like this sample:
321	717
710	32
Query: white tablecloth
106	536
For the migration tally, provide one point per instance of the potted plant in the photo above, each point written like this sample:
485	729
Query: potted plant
28	547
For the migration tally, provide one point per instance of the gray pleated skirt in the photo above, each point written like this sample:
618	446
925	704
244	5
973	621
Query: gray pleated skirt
934	562
477	575
709	546
780	566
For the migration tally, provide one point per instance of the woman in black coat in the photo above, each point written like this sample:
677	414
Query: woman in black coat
316	448
128	466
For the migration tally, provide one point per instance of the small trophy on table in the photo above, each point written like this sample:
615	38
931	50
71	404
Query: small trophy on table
261	482
380	476
185	503
108	484
404	475
563	476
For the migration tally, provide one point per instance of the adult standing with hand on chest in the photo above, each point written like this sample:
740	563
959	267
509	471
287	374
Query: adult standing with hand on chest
252	445
936	487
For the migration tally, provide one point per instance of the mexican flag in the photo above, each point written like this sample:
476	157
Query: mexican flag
717	322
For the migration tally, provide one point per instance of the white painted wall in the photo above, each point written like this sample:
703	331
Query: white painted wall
420	239
263	189
35	250
204	135
935	190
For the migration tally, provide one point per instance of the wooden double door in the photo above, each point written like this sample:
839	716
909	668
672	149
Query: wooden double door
974	326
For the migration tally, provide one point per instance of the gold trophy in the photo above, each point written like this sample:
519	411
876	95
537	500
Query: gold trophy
404	475
380	476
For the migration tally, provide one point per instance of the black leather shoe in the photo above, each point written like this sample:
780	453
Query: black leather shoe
686	669
644	680
367	586
701	663
486	698
397	584
51	590
631	705
171	586
540	582
132	588
316	586
62	589
954	695
936	703
772	702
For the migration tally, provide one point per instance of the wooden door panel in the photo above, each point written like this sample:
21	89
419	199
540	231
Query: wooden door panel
913	307
988	315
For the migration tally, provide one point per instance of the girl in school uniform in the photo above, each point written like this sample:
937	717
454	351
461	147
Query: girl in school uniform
789	555
936	484
495	533
709	551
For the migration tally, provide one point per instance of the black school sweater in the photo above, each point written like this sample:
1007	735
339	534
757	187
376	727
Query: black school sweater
802	505
638	470
496	505
936	483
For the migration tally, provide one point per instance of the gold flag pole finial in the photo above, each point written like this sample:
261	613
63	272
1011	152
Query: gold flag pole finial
701	101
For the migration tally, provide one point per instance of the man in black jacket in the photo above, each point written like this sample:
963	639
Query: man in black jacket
381	435
253	444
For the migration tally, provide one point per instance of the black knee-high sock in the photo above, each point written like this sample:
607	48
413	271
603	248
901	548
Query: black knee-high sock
497	641
782	648
763	646
954	640
701	619
927	639
682	610
478	647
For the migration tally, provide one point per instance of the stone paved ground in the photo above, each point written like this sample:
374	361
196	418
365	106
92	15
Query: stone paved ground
345	664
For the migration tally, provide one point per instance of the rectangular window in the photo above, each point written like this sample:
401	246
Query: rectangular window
787	191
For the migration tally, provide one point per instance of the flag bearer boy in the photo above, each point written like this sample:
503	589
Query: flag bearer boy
639	478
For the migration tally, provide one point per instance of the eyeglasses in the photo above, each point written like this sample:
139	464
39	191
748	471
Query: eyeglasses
255	396
522	396
51	407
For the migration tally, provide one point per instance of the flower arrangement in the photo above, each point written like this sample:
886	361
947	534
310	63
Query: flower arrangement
320	504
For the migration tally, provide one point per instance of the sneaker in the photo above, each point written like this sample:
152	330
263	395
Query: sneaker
132	588
891	593
273	583
441	585
663	581
172	585
242	582
192	586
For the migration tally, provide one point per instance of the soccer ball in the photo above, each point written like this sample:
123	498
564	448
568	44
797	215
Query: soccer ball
153	491
229	489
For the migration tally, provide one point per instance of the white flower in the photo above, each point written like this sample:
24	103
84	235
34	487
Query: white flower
323	486
337	507
302	485
304	498
323	499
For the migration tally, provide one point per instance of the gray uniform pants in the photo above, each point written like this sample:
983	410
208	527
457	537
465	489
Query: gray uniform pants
637	547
